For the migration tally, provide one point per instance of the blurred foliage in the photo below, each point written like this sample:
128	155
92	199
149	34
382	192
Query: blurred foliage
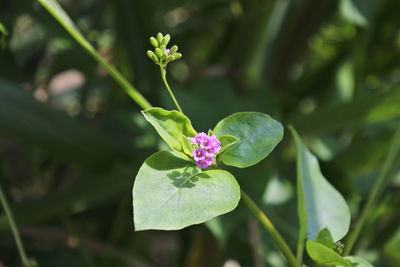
71	141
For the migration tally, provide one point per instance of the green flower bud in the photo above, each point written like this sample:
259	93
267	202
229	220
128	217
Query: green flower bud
152	56
154	42
163	54
166	39
177	56
159	53
160	38
173	49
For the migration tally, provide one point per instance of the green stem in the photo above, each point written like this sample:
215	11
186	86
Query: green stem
122	81
14	230
164	78
267	224
54	8
377	189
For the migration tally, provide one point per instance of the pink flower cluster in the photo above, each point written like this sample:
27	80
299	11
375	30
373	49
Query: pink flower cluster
206	147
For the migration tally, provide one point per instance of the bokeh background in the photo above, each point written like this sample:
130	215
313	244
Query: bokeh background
71	141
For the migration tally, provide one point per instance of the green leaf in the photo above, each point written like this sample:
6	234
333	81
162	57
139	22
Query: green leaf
358	262
358	12
320	205
187	146
226	142
172	126
171	193
325	255
54	8
258	135
324	237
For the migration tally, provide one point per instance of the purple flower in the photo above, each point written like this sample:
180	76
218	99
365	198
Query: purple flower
215	145
199	139
199	154
206	147
166	51
204	163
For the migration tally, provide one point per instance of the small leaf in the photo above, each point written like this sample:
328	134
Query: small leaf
320	205
187	146
172	126
358	262
324	237
324	255
226	142
258	135
171	193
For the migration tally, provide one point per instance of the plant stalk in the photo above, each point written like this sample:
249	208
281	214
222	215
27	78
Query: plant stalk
54	8
164	78
377	189
21	250
267	224
122	81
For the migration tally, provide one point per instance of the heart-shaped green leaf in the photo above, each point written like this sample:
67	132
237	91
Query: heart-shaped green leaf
325	255
171	193
258	135
320	205
172	126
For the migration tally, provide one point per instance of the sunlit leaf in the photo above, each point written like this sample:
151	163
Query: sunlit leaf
258	135
171	193
172	126
324	255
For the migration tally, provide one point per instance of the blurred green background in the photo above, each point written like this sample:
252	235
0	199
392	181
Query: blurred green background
71	141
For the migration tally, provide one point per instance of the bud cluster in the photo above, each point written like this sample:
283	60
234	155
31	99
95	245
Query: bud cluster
338	247
206	148
163	55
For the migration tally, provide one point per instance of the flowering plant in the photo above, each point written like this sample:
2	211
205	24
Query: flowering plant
188	185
